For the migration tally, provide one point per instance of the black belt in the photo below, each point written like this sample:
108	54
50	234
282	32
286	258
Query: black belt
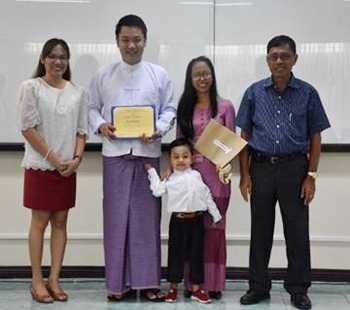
187	215
260	157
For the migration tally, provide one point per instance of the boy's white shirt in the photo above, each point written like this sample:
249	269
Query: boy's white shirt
186	192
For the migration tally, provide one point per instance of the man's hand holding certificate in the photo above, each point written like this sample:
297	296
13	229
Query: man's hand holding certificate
133	122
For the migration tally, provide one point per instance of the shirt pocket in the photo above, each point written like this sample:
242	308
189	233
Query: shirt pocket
150	97
297	122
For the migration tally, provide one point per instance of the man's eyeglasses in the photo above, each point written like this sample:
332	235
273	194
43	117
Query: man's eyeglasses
204	75
56	57
282	57
127	41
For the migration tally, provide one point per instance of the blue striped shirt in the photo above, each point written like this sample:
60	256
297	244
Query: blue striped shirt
281	122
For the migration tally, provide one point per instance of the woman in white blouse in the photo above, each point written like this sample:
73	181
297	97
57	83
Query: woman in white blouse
52	115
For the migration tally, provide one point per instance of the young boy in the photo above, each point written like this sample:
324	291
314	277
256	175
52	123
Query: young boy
187	199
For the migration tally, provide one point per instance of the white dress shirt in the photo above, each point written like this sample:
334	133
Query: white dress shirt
186	192
57	114
120	84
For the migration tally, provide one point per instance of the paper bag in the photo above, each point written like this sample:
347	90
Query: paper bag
219	144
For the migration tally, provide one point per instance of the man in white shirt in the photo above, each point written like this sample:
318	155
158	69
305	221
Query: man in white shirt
131	213
188	197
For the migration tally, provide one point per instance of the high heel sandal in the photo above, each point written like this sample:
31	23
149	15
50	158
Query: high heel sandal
57	295
44	299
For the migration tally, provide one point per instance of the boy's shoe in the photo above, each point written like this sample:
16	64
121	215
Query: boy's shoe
201	297
171	296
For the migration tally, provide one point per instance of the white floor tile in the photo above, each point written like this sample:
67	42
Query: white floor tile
91	295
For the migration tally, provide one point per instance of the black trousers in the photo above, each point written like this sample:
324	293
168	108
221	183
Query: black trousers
271	183
186	245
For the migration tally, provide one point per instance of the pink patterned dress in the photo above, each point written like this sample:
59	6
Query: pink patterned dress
215	237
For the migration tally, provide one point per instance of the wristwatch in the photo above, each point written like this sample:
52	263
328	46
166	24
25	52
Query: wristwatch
312	174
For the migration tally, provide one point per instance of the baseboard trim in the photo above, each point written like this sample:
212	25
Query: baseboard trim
232	273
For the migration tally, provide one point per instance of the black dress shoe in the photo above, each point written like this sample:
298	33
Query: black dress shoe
300	301
215	295
253	297
130	294
187	294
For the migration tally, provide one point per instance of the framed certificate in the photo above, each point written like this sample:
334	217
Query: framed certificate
131	122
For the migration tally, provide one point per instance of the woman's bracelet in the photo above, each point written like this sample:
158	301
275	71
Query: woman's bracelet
80	157
48	153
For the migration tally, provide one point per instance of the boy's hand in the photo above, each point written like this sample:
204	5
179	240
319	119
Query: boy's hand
148	167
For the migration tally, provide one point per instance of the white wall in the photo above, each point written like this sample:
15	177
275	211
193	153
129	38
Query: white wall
232	33
329	218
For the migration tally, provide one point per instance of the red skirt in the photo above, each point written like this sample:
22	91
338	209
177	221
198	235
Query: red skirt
48	190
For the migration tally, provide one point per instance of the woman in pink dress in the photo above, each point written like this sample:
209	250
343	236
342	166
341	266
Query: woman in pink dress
198	104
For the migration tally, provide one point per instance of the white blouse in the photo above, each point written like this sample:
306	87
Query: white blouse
57	114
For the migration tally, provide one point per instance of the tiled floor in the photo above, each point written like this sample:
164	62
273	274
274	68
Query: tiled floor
91	295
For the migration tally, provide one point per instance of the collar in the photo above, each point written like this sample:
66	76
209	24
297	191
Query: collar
292	82
188	170
128	67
